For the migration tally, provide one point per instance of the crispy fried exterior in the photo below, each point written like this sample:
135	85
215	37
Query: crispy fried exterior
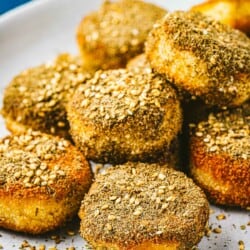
139	63
142	206
220	158
109	37
202	56
194	109
36	97
235	13
42	182
121	115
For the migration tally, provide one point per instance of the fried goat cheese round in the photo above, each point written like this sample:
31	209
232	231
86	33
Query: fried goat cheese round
43	179
110	36
120	116
36	97
138	206
220	157
208	59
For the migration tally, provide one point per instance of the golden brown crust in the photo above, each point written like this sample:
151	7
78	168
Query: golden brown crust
109	37
235	13
42	182
121	115
139	63
194	109
220	159
138	205
36	97
202	56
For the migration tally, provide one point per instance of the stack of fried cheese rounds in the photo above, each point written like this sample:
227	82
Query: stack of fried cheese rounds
110	36
36	98
120	116
43	179
207	59
220	157
140	206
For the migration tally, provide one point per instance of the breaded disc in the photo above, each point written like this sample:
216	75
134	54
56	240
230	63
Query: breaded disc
202	56
220	157
110	36
120	115
235	13
138	206
36	97
42	182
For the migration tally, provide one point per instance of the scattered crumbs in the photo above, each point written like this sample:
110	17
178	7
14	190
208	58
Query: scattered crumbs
221	217
42	247
88	247
194	248
217	230
98	167
1	247
243	227
208	231
71	233
211	211
56	238
24	244
248	224
52	248
241	245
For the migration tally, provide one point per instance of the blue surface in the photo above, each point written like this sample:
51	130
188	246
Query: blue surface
6	5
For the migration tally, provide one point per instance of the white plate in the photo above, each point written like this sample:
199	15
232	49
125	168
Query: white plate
36	33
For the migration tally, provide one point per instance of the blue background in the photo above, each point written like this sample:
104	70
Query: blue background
6	5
